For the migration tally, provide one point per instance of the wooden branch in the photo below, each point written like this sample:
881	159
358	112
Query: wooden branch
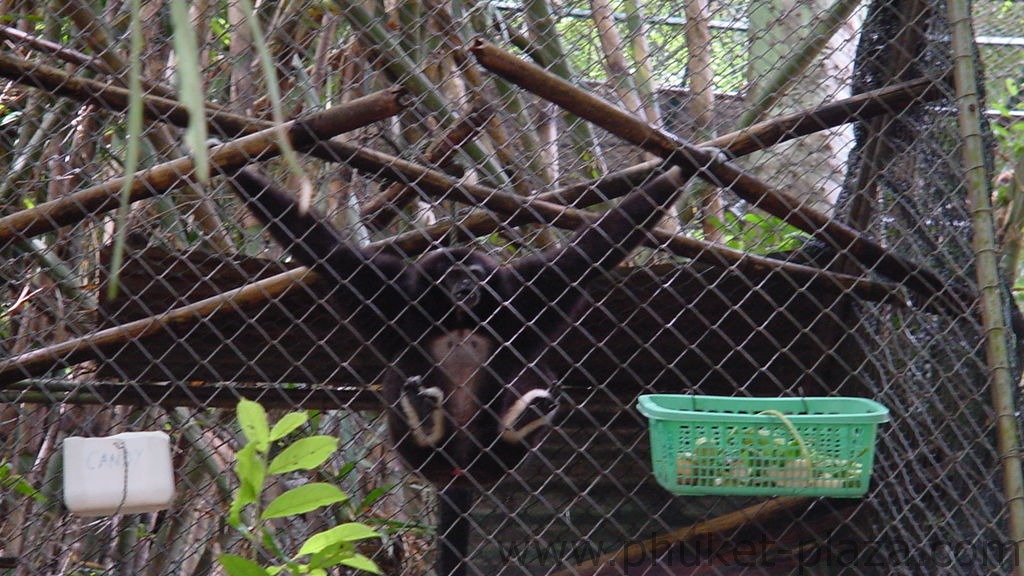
227	125
482	223
208	395
870	254
49	216
699	64
786	72
584	194
188	395
380	210
888	100
98	344
69	55
527	210
116	98
77	58
614	61
726	523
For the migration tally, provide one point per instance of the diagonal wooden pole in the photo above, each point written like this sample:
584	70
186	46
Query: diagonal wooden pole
108	340
675	150
158	179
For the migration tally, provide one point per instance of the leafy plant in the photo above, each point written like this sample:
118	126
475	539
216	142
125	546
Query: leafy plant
756	456
11	480
1009	187
759	233
1009	128
265	455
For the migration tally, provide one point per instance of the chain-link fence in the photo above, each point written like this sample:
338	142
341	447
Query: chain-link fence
821	246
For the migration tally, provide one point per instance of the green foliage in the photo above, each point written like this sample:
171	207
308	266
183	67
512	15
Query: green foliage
133	149
254	464
304	454
190	86
759	233
1009	132
11	480
1009	193
305	498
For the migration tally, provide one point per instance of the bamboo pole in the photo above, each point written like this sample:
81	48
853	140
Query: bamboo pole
640	51
891	99
888	100
50	391
208	395
700	66
976	177
595	191
381	210
39	362
398	64
800	57
614	61
807	277
146	183
94	32
676	151
722	524
546	40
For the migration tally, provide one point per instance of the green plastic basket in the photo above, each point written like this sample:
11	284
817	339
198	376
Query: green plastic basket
769	446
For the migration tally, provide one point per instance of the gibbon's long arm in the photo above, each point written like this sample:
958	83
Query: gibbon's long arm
315	243
548	278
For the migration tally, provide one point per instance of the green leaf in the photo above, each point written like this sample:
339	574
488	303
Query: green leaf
132	145
249	467
374	495
190	86
304	454
349	532
238	566
253	420
288	424
251	475
345	470
331	556
360	562
10	479
235	511
304	499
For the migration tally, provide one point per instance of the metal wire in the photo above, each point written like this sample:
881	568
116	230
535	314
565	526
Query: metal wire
730	295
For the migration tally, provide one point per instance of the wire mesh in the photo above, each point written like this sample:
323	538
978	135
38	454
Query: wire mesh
729	295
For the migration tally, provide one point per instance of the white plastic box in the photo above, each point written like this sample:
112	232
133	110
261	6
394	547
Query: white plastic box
128	473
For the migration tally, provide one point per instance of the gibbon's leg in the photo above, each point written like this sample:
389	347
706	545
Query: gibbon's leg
422	410
453	530
530	411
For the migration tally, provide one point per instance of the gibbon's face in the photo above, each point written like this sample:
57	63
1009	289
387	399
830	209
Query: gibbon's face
460	286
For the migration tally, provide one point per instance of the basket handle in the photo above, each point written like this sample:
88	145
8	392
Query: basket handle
804	451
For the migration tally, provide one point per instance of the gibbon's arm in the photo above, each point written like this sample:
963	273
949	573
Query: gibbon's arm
314	242
548	295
